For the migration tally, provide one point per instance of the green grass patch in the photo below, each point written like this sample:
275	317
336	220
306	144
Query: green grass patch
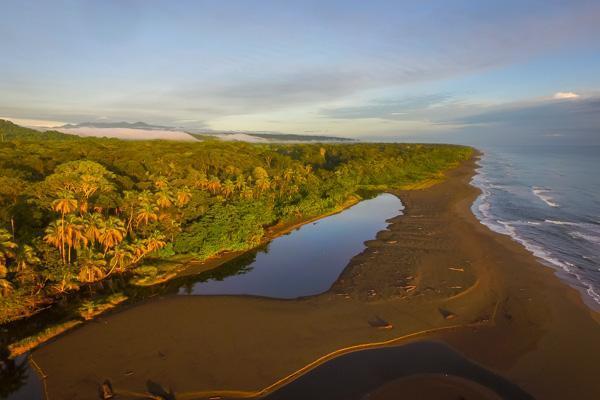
28	343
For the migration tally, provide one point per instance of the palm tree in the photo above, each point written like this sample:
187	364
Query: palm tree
113	233
261	179
7	251
55	237
155	241
65	203
91	267
163	199
121	257
94	226
145	197
227	188
25	259
198	179
183	196
288	174
146	212
240	182
263	184
6	287
214	184
74	234
130	200
7	247
139	250
161	182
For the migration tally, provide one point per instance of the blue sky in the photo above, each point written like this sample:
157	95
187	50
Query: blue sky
376	70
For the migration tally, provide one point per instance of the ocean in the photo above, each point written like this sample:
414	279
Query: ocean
548	199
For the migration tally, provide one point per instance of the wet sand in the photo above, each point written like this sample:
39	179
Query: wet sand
435	273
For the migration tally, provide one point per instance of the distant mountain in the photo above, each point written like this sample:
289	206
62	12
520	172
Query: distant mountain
144	131
11	131
98	129
122	124
253	136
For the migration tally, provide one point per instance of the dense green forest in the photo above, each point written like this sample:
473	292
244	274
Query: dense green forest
74	211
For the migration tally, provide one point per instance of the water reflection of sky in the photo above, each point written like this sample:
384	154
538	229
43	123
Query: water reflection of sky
308	260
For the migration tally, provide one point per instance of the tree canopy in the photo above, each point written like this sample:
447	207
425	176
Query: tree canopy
74	211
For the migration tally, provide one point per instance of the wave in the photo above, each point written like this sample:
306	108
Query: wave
482	208
541	193
589	238
587	227
544	255
552	221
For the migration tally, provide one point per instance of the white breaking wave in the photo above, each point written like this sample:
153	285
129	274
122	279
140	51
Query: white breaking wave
483	212
544	255
589	238
541	193
594	228
552	221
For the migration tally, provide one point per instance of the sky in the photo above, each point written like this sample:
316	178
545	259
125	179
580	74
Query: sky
451	71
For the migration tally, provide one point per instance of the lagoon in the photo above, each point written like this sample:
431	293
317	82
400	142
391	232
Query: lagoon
306	261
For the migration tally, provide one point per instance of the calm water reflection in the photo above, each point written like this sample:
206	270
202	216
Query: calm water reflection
308	260
368	370
304	262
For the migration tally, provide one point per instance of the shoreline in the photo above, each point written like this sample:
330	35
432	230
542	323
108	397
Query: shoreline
490	293
185	268
192	267
568	276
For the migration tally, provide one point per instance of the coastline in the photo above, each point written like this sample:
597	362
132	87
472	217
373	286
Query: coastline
503	309
532	227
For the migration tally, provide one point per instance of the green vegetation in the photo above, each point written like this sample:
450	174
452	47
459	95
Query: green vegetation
76	211
28	343
10	131
91	308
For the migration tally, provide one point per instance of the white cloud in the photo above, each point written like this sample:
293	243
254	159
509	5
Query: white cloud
41	123
565	95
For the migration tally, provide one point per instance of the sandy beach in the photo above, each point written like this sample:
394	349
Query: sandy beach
435	274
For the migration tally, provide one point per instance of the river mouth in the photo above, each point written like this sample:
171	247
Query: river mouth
419	370
298	264
367	374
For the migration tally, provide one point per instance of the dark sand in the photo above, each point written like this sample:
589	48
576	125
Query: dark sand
436	273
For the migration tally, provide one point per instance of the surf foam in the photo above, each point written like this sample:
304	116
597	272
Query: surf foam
542	194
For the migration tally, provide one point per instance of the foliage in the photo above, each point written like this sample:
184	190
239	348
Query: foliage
28	343
91	308
74	211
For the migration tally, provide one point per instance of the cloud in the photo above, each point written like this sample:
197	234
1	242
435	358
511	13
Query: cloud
586	111
546	121
34	122
208	62
267	93
565	95
394	109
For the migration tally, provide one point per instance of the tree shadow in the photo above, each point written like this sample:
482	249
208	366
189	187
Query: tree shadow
13	375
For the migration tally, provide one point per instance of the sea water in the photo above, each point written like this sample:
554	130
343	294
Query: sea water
548	199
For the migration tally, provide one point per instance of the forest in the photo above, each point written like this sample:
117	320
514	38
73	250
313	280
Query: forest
76	211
